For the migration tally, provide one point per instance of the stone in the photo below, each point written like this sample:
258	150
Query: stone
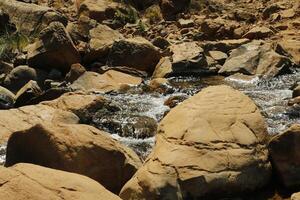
137	53
295	196
27	181
186	23
30	18
109	81
292	47
255	58
284	152
296	91
218	56
258	33
74	148
21	75
98	10
170	8
102	39
142	4
27	92
54	49
224	45
211	145
271	9
7	98
163	68
75	72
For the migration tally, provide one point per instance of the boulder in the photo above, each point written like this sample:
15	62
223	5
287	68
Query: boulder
21	75
30	18
27	92
292	47
258	33
284	151
54	49
255	58
27	181
109	81
211	145
295	196
218	56
102	39
224	45
98	10
74	148
7	98
187	59
137	53
75	72
296	91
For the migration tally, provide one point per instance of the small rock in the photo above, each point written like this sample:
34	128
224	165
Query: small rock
75	72
7	98
27	92
258	33
186	23
218	56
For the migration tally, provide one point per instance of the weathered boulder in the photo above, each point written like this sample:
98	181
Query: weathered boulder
21	75
211	145
284	150
54	49
102	39
255	58
30	18
27	181
75	148
187	59
137	53
98	10
109	81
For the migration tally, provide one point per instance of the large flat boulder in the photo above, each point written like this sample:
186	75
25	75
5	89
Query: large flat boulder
30	18
75	148
211	145
27	181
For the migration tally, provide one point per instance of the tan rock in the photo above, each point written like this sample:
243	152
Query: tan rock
54	49
295	196
163	68
258	33
284	150
75	148
30	18
109	81
292	47
210	145
27	181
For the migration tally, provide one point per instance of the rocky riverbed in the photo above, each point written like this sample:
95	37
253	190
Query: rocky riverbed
166	99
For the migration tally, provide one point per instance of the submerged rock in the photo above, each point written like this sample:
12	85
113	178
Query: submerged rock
27	181
75	148
7	98
211	145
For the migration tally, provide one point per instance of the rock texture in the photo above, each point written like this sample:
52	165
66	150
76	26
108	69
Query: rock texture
54	49
284	151
27	181
212	144
75	148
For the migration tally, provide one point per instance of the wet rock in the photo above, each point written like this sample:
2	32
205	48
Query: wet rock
7	98
140	127
109	81
75	148
137	53
98	10
21	75
30	18
54	49
258	33
255	58
75	72
27	92
27	181
205	150
163	68
296	91
170	8
159	85
284	151
175	100
102	39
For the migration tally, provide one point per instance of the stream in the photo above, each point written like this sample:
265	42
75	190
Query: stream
135	115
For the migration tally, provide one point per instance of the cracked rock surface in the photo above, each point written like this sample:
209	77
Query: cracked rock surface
212	144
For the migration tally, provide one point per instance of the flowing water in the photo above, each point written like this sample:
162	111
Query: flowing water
133	114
